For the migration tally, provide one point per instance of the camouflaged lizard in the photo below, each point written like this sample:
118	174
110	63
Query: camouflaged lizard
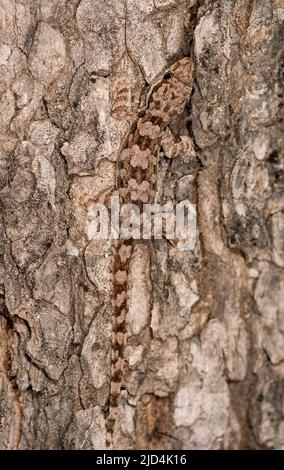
136	183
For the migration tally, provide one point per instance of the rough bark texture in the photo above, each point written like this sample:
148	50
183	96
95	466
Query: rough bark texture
205	354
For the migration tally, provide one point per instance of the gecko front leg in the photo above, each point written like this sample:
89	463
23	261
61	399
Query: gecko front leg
173	149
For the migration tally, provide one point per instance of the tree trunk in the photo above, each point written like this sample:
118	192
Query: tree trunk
205	353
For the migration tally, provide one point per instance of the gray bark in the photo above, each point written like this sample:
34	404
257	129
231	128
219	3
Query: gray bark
205	354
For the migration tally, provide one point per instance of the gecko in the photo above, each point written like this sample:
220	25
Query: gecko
136	184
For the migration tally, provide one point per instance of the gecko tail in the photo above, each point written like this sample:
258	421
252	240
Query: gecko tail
113	411
121	259
109	432
117	362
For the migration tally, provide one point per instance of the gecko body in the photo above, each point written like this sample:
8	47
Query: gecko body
136	181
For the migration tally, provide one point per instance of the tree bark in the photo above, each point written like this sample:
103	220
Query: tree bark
205	352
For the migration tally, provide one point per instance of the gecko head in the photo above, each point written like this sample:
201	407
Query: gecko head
181	71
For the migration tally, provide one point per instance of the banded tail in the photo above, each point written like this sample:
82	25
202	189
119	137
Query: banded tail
121	257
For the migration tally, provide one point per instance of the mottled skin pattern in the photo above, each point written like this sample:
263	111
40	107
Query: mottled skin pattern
136	185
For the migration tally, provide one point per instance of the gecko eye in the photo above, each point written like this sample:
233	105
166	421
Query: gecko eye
167	76
93	77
